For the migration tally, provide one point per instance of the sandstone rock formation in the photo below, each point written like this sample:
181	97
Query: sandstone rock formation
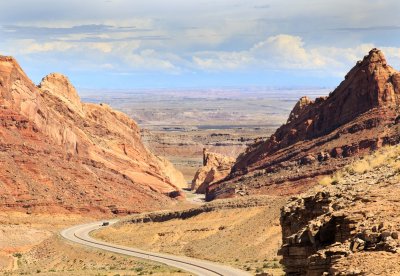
57	153
215	167
321	136
172	174
349	228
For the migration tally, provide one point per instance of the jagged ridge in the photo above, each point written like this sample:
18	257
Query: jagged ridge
357	116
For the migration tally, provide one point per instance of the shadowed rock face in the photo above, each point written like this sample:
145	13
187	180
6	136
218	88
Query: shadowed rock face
60	154
359	115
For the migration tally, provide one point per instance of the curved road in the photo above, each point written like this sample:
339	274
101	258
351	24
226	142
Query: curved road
80	234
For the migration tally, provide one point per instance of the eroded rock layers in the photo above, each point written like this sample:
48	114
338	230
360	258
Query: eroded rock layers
59	154
349	228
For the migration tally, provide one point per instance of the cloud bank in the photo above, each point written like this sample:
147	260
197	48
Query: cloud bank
206	43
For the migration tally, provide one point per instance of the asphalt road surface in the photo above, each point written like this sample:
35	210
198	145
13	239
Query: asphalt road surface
80	234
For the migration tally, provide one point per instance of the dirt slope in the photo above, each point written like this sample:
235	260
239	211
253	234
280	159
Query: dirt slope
240	232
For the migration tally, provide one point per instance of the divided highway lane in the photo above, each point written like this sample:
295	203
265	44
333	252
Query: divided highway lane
80	234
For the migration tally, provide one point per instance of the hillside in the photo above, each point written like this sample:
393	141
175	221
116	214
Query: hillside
58	154
321	135
348	225
217	231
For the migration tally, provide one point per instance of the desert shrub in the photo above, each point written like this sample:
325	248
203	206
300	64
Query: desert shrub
326	180
378	159
361	166
396	166
337	177
259	270
275	265
139	269
17	255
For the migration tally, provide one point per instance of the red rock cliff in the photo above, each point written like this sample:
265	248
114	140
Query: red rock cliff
357	116
57	151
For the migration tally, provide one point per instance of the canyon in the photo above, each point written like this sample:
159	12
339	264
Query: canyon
318	196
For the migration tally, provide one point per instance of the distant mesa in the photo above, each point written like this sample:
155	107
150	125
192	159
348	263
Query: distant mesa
58	154
322	135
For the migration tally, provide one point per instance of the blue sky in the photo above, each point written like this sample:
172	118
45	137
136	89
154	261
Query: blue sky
202	43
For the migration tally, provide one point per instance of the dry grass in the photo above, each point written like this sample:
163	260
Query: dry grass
326	180
385	156
247	238
389	156
333	179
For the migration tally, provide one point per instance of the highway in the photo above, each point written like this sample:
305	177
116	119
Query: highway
81	234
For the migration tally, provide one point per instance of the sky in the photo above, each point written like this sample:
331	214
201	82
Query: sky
122	44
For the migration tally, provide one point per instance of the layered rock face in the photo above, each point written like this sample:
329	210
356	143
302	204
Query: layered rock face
58	152
215	167
349	228
322	135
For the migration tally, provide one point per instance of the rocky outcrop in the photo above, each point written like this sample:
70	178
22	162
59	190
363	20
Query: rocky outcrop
57	151
299	108
60	86
322	135
215	167
333	228
162	216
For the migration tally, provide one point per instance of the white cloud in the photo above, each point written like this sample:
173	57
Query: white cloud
287	52
30	46
149	59
276	52
101	46
222	60
34	47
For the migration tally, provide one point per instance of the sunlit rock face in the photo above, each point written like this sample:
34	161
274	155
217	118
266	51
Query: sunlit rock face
60	152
